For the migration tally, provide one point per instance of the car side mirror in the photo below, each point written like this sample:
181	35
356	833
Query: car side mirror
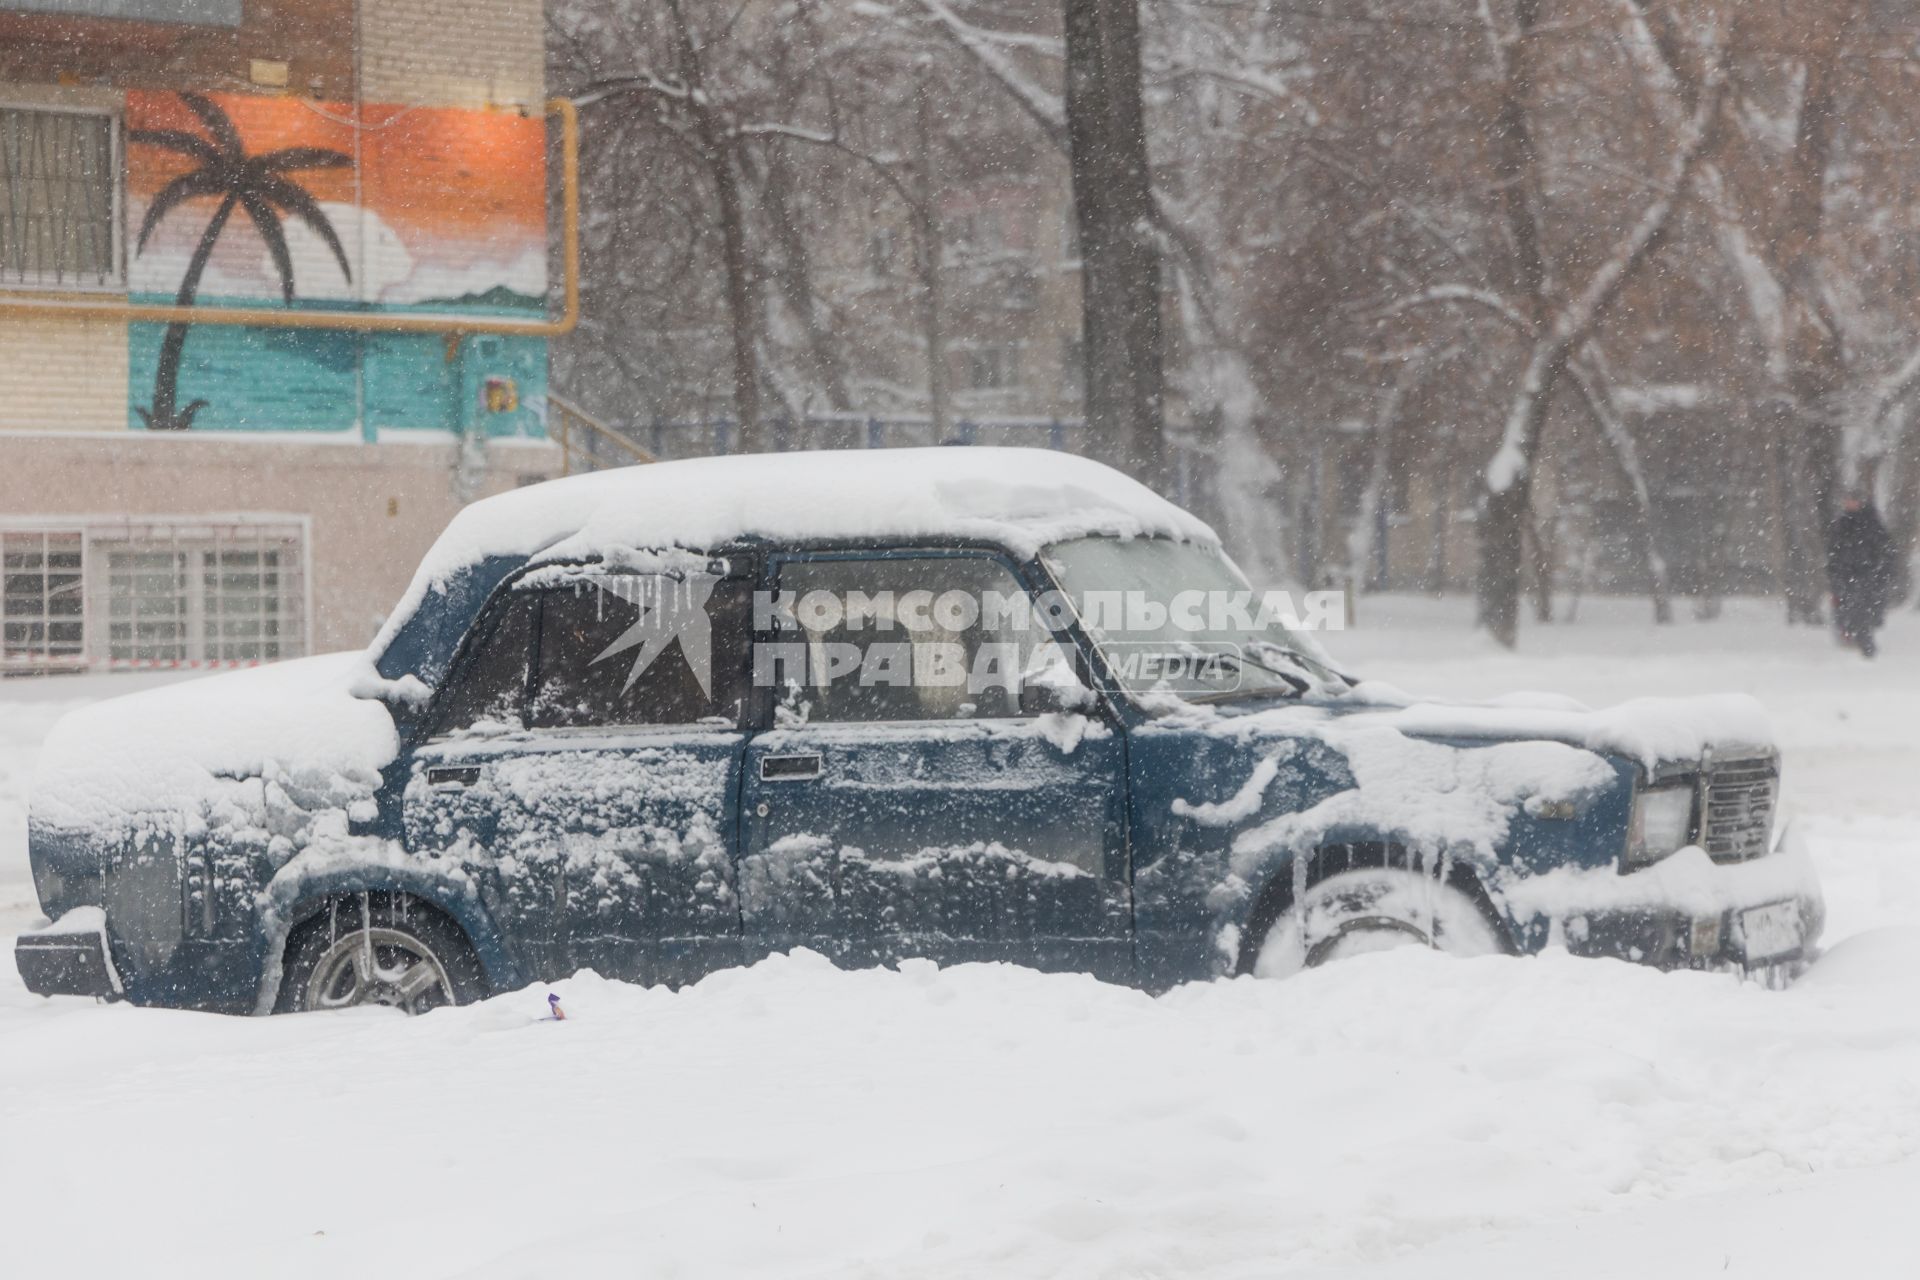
1055	695
1051	686
408	695
1042	699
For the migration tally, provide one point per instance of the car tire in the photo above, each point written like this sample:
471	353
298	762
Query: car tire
1374	909
378	949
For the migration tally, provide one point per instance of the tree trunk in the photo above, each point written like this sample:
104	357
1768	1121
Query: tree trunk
1505	512
794	276
1818	360
1503	521
1595	397
929	254
1113	205
1541	563
1509	476
1367	551
1441	528
1308	516
743	309
1903	510
1802	536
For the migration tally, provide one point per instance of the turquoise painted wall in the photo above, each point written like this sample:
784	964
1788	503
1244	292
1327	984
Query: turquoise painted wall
304	379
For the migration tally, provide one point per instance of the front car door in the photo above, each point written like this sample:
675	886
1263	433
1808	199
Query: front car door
903	803
585	757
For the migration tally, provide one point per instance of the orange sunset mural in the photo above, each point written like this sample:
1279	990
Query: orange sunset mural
236	198
437	205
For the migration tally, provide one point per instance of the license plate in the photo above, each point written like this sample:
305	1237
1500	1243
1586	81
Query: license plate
1769	931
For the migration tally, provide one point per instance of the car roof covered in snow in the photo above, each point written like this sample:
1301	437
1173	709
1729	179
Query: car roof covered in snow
1020	499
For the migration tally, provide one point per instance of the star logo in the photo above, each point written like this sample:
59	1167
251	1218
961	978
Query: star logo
671	608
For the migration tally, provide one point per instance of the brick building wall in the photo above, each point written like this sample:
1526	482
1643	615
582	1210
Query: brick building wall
450	52
313	466
313	37
62	375
454	52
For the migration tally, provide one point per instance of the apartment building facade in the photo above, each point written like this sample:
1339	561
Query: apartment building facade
273	303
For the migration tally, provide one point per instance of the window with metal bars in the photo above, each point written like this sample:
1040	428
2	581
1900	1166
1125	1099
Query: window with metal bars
161	592
59	187
147	605
237	599
42	601
245	605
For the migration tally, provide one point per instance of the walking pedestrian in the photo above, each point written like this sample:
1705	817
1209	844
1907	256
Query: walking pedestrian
1860	564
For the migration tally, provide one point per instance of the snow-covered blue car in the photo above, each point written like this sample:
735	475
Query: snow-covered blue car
969	704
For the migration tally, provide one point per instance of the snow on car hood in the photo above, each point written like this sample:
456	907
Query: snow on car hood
1647	730
286	738
1021	499
1428	795
1413	780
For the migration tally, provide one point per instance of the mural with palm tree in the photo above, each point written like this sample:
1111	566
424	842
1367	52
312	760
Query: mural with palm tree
257	185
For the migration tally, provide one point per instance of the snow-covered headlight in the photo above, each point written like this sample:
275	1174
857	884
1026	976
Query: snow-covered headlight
1662	823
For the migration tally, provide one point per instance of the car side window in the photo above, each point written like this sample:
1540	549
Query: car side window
641	649
491	686
908	638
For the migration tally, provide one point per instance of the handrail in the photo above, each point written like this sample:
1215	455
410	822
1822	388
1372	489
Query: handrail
568	413
14	303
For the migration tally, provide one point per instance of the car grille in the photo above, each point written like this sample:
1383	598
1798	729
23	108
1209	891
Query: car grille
1739	809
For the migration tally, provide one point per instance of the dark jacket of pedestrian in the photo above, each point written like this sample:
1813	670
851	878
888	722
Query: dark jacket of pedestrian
1860	570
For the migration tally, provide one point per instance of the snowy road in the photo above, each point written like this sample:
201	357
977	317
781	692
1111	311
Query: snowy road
1397	1115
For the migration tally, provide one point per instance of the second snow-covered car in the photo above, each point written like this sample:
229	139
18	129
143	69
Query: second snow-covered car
677	717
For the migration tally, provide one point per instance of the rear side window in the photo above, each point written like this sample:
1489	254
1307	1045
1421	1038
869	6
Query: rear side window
490	688
641	649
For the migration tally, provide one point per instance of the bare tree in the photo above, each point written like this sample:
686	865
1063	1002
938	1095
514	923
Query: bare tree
1607	211
1558	318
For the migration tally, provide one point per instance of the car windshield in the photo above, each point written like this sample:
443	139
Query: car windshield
1178	618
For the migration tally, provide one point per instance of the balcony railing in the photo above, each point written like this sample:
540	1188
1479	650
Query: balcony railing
586	443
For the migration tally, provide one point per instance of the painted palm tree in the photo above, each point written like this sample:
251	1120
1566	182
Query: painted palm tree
259	186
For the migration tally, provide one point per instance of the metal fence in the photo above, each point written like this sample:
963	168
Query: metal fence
854	431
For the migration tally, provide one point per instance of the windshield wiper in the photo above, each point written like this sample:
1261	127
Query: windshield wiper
1298	686
1314	669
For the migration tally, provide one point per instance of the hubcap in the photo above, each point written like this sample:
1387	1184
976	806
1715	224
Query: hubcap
1362	937
379	966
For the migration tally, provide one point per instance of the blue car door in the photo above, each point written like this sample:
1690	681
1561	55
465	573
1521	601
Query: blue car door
584	761
902	803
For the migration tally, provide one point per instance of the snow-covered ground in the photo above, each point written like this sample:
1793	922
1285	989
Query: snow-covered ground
1396	1115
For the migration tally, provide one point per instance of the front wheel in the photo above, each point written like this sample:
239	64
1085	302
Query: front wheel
378	949
1374	909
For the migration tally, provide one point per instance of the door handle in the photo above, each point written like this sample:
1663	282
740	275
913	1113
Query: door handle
790	768
453	777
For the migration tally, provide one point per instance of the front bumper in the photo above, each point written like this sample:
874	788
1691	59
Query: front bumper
1685	912
1764	935
69	957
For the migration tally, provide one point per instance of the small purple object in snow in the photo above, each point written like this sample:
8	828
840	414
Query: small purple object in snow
553	1003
